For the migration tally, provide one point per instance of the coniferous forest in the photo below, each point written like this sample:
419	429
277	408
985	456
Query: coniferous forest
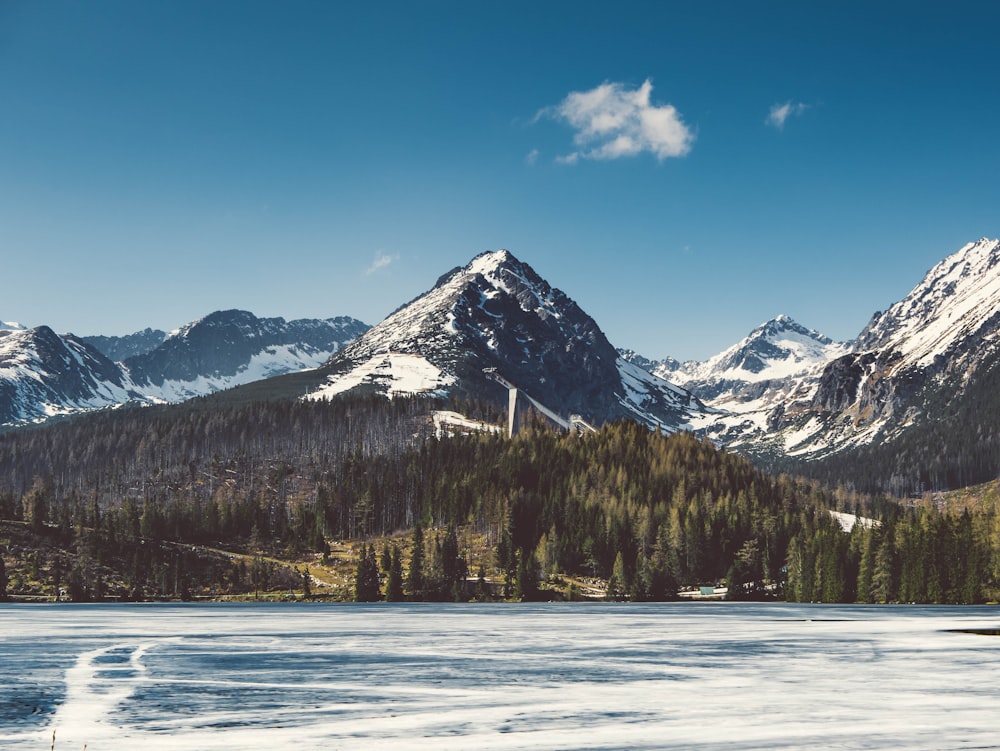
358	498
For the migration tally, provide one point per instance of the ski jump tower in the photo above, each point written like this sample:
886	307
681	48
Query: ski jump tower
575	422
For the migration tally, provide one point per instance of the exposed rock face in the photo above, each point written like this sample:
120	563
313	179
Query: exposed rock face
838	385
118	348
938	337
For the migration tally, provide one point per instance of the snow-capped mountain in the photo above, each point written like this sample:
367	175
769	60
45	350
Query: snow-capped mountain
11	326
496	312
785	390
777	350
43	374
233	347
777	364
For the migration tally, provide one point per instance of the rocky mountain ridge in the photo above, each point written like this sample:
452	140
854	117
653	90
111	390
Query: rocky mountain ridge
44	374
497	313
786	390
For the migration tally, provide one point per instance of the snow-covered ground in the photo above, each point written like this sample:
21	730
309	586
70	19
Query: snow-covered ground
847	521
399	373
448	423
728	676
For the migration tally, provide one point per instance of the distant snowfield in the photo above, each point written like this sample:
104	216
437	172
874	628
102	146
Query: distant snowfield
504	677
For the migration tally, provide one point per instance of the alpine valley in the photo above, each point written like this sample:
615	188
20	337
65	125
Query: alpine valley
238	454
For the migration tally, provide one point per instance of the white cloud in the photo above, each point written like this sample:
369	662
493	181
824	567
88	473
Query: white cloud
612	121
381	261
532	157
781	112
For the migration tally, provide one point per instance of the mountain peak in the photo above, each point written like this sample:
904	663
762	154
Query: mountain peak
783	325
497	313
490	260
215	319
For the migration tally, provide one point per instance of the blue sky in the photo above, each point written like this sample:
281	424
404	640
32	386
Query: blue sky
684	171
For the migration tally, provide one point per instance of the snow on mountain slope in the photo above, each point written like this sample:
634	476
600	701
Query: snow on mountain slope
776	350
43	374
234	347
393	374
910	360
11	326
786	390
496	312
955	300
919	353
778	364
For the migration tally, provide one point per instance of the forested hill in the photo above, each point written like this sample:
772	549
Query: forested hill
643	512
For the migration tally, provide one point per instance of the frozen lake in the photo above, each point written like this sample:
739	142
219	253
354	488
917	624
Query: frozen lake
568	676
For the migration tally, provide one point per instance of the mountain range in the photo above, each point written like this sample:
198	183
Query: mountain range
790	391
44	374
784	392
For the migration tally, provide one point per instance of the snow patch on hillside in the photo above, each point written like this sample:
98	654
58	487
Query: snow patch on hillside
272	361
396	373
848	521
447	423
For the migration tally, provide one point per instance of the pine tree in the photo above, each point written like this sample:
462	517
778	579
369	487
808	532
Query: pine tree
394	581
866	568
306	583
482	586
366	581
883	584
616	584
527	578
36	504
415	576
662	584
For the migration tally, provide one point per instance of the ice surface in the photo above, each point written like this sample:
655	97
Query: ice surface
572	676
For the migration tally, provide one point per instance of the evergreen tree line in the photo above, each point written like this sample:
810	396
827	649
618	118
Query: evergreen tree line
916	555
646	513
84	565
